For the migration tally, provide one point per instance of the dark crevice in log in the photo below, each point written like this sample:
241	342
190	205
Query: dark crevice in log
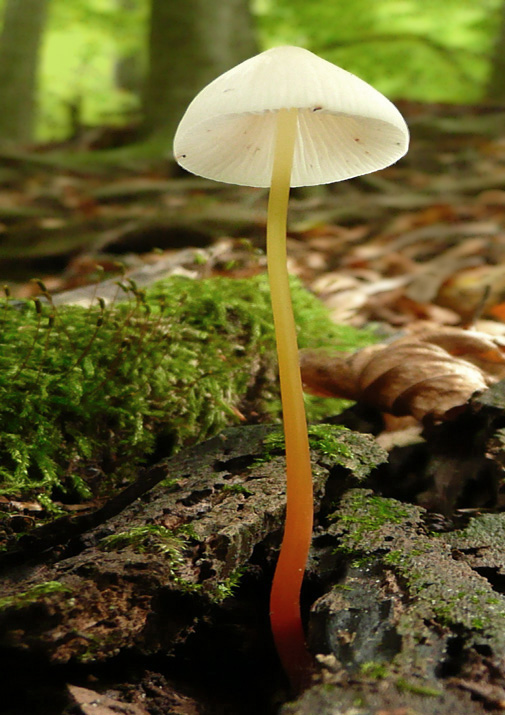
64	529
495	578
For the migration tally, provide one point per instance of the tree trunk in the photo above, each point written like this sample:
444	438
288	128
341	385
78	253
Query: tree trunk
496	86
190	44
128	65
20	43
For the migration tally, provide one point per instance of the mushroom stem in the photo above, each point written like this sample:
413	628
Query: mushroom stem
285	614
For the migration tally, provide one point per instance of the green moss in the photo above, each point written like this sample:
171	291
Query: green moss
273	445
159	539
342	587
324	438
151	537
362	562
87	395
327	439
155	538
32	595
439	587
236	489
226	588
368	513
358	702
406	686
397	558
374	670
333	446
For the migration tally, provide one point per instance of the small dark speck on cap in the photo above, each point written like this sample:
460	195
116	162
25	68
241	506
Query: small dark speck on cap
230	89
357	139
316	109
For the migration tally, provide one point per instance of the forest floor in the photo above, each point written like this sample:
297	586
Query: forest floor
405	584
420	240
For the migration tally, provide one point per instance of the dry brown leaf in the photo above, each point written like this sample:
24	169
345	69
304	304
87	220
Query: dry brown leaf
428	375
474	289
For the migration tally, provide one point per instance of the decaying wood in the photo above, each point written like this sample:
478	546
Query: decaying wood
407	619
416	622
413	611
112	597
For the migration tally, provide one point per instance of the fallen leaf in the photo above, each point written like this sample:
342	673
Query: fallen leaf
427	375
474	289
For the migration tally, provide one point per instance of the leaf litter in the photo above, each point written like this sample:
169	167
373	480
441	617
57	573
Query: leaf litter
416	251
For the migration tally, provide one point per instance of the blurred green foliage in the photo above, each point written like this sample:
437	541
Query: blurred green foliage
415	49
84	41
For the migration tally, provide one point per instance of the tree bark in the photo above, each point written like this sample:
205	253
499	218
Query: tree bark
407	614
80	591
496	87
190	44
20	44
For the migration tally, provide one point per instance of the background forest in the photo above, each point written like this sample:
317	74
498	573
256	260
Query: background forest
69	65
137	546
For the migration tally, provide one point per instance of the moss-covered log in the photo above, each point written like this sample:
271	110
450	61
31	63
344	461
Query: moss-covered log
417	623
154	577
88	396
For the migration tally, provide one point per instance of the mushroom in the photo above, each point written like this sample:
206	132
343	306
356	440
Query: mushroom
289	118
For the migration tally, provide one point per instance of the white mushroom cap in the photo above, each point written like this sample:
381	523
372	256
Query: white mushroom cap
346	127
